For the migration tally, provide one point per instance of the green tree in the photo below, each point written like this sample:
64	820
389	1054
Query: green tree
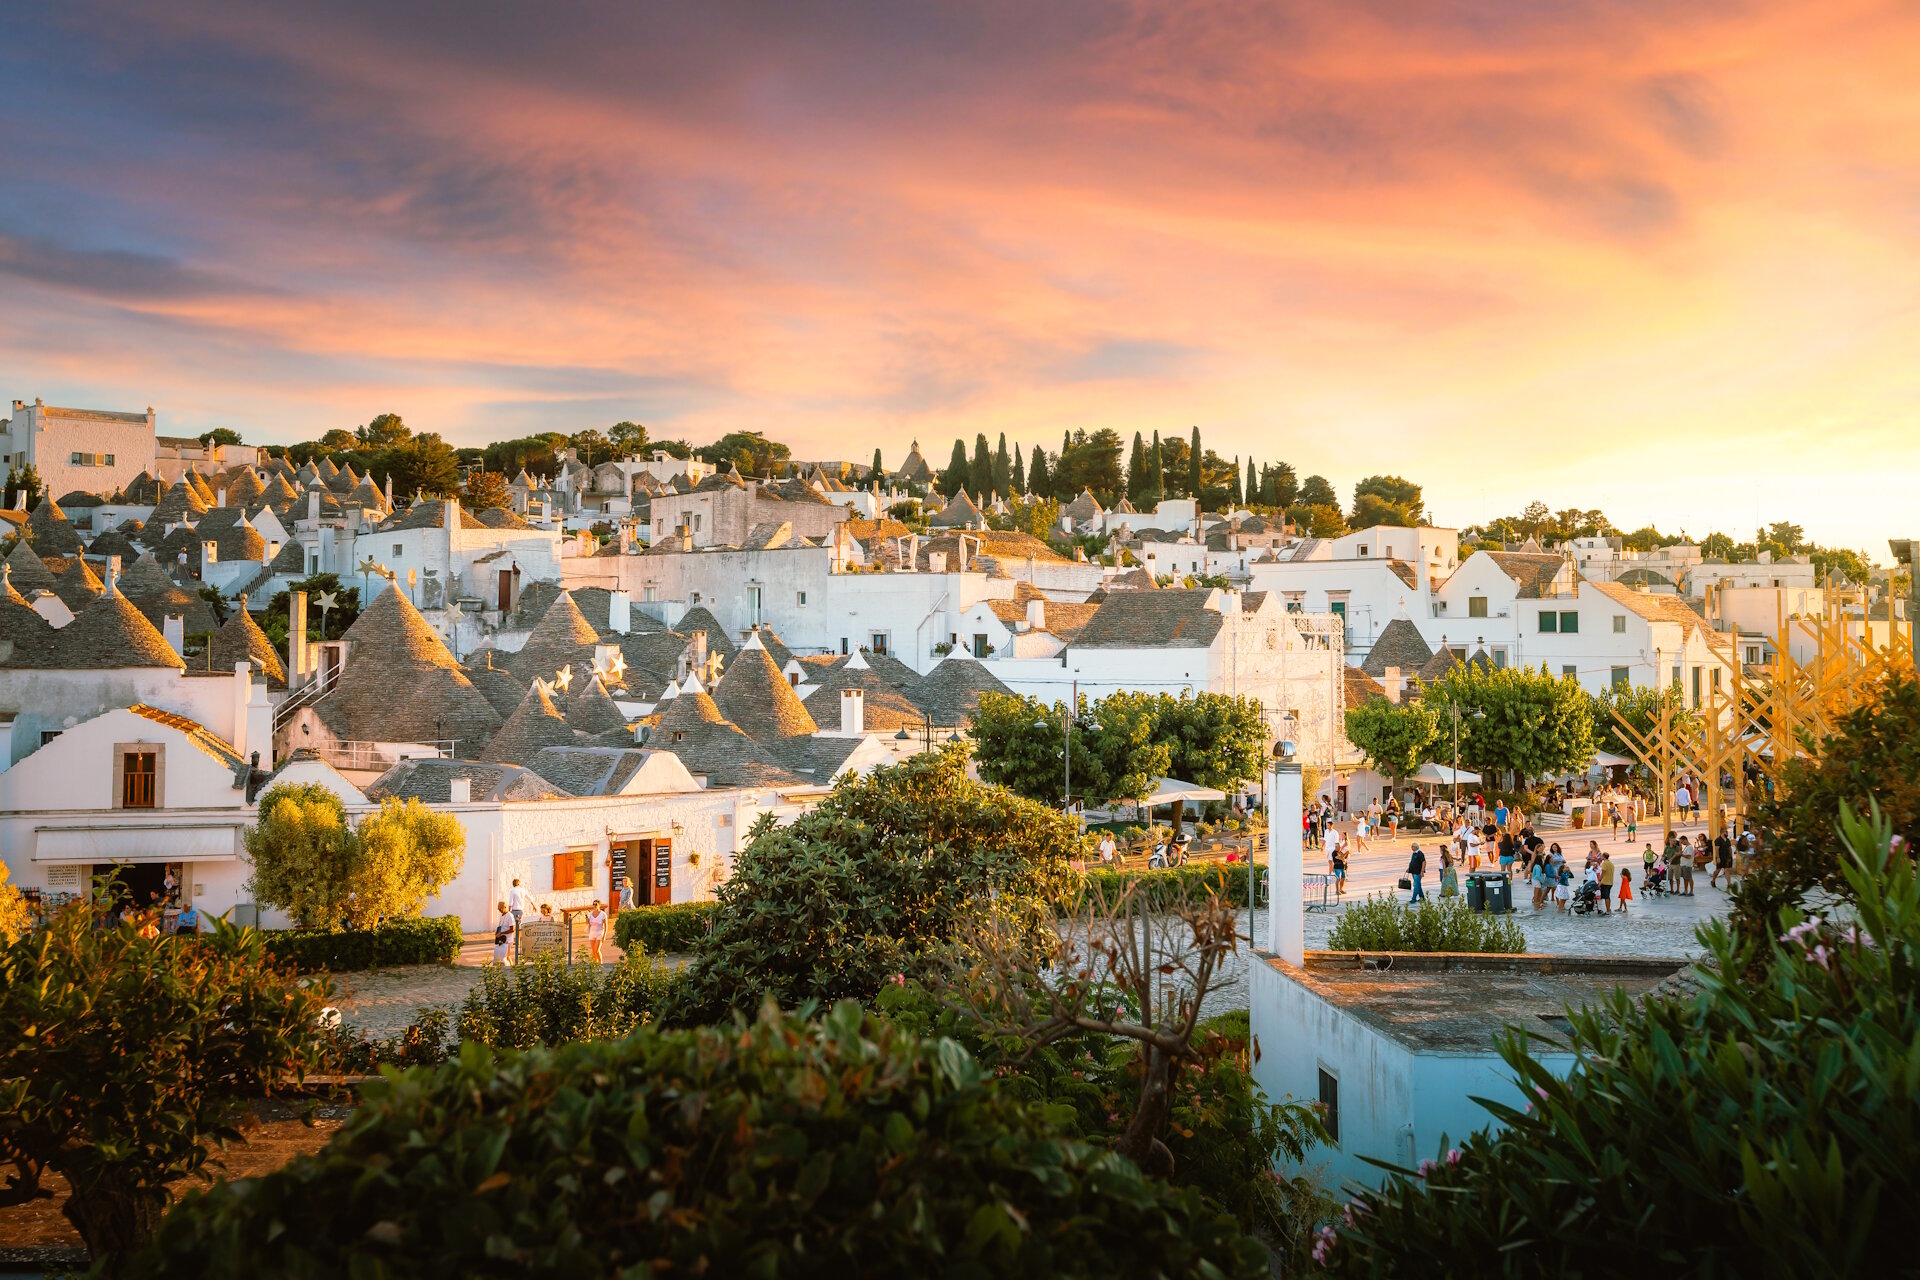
1173	467
408	853
591	446
305	856
219	436
748	452
1090	462
980	474
125	1060
1020	743
1317	492
1851	565
1396	737
484	490
627	439
1387	500
1002	469
1252	489
878	471
338	440
1039	483
1235	492
1215	739
957	475
1531	724
871	882
1639	706
1873	756
24	486
424	464
383	432
1125	740
1019	473
1139	483
1196	477
1158	480
1317	520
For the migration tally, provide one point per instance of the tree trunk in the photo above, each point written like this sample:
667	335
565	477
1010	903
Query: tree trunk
116	1219
1141	1143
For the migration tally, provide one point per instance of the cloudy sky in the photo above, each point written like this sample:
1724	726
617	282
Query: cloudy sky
1661	258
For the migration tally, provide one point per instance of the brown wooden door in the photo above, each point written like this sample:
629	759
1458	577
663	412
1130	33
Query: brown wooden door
660	879
506	590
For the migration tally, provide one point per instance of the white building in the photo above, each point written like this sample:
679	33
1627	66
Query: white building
92	450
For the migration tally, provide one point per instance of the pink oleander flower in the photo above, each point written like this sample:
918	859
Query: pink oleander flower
1427	1167
1819	956
1453	1156
1323	1241
1542	1092
899	979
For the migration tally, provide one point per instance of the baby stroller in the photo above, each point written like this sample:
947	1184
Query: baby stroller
1655	880
1586	899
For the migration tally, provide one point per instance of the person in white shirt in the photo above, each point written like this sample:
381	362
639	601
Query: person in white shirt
517	902
1106	848
1473	849
596	930
503	930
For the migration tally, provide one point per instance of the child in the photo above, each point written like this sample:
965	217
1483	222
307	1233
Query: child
1626	889
1633	825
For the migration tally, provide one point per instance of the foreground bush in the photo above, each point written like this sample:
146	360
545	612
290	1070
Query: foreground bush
414	941
844	1146
1766	1127
1160	886
1384	923
870	883
124	1058
546	1001
664	929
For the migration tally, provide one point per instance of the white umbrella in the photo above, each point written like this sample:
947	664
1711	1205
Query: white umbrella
1442	775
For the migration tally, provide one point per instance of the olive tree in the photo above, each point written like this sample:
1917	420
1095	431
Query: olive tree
304	854
408	853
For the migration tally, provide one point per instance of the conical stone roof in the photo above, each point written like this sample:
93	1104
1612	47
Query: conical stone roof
496	683
53	533
26	637
535	724
244	487
30	572
110	634
562	637
240	638
200	486
592	710
113	542
950	693
1436	667
76	585
1400	645
402	684
693	729
699	618
753	694
327	470
343	481
179	503
884	706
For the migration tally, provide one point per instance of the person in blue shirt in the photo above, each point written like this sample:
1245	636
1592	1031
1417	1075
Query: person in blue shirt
189	921
1500	816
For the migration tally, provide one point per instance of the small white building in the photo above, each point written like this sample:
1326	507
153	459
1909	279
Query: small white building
92	450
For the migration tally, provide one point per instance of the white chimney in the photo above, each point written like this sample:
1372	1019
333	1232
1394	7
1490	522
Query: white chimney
220	498
460	791
242	694
450	516
1391	678
313	506
853	713
936	562
260	723
209	553
1286	911
174	628
1037	614
113	574
273	550
619	612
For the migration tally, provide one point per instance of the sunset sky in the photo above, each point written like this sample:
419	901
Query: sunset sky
1658	258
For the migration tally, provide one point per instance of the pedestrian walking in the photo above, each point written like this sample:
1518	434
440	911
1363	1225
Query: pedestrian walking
1722	860
1607	874
1626	888
596	929
1416	869
503	930
517	902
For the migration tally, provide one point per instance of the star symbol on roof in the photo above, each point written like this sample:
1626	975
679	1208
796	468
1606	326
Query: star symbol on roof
616	667
455	612
564	677
368	566
327	599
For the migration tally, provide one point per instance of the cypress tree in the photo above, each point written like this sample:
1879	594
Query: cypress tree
1253	485
1019	473
1002	469
954	478
980	475
1233	490
1159	490
1195	477
1137	471
1037	479
879	472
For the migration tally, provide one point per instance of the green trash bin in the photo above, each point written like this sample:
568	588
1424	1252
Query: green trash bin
1499	894
1476	893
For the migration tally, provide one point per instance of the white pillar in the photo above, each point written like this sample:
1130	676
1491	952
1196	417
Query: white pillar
1286	907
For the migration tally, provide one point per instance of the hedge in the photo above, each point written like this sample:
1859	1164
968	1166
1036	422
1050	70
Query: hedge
678	927
1162	885
407	941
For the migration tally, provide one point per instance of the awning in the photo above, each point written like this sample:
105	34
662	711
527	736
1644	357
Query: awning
1169	790
138	842
1443	775
1608	760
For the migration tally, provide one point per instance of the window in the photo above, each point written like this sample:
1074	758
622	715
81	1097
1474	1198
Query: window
1330	1105
573	870
1753	655
843	646
800	599
1619	678
696	523
1569	622
1499	657
1569	670
1476	606
878	644
1339	608
48	735
138	770
1619	624
1716	677
1363	548
90	460
1549	621
979	644
399	549
1696	686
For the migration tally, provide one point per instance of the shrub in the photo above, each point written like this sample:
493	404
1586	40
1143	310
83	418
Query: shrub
423	1043
405	941
664	929
781	1147
408	853
547	1001
1384	923
1160	886
1785	1106
870	881
1875	752
123	1059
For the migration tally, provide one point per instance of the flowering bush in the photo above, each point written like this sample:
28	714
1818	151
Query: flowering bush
1764	1125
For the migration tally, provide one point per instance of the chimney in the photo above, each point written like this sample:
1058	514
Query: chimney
853	713
220	498
1287	921
296	635
389	490
209	553
936	562
450	517
1037	614
697	657
174	628
619	612
113	574
460	791
273	550
313	506
1391	678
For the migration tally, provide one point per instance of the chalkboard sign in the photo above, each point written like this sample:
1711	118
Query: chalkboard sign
542	937
662	867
